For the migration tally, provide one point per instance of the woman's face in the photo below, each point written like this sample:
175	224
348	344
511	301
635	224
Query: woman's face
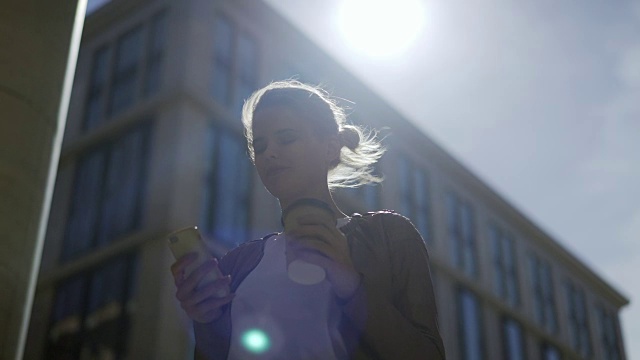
291	159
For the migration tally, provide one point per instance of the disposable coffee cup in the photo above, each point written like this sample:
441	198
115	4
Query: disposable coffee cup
300	271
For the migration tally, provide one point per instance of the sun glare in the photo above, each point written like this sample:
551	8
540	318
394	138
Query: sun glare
380	28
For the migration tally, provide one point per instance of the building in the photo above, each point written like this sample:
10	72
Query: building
154	143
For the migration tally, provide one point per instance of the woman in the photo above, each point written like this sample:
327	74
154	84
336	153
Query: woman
376	301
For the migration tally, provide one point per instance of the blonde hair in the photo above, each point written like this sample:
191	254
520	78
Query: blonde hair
361	148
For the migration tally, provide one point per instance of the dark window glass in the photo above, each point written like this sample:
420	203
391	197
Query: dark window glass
513	340
223	60
125	75
609	334
470	326
226	207
550	352
85	205
543	294
580	335
247	65
548	298
94	106
92	311
414	196
124	185
505	273
461	225
155	54
108	193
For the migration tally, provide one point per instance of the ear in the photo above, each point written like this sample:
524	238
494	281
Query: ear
333	151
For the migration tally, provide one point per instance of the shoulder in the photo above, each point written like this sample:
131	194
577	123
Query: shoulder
396	229
241	253
389	219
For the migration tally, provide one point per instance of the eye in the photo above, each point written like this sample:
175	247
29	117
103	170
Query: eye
259	146
287	138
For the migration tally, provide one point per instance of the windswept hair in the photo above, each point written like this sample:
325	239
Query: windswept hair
361	147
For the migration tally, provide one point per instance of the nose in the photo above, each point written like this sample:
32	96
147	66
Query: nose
271	152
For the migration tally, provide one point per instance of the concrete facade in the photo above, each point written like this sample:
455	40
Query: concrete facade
154	125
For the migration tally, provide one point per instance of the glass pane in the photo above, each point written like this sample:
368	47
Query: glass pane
221	83
94	108
514	346
496	250
85	209
123	193
155	48
223	47
550	353
208	198
471	328
230	208
128	55
406	203
421	196
66	325
223	37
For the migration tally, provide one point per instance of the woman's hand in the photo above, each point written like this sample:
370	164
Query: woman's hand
326	246
199	300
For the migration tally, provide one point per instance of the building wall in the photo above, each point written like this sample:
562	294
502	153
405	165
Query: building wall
190	118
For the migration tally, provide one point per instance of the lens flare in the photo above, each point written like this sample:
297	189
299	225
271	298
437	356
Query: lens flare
256	341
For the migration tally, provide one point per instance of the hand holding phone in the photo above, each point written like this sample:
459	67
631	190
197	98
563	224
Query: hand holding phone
188	240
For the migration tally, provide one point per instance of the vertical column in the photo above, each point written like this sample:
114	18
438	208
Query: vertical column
39	42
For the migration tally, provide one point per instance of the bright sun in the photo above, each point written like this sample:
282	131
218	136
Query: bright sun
380	28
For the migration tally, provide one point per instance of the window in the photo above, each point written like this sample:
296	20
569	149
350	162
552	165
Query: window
550	352
126	69
234	66
226	199
579	333
504	262
94	108
92	311
222	68
461	226
108	193
369	195
247	71
414	196
543	294
115	76
155	54
470	326
608	324
512	340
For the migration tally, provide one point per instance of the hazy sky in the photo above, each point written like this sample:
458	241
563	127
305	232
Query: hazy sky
541	99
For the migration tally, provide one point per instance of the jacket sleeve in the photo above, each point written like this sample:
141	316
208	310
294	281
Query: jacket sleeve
405	324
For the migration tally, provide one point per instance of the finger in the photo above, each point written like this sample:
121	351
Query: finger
192	281
313	231
207	291
180	264
314	220
207	306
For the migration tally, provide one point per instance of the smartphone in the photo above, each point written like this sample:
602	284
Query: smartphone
189	240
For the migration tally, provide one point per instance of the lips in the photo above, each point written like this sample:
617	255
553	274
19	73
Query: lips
276	170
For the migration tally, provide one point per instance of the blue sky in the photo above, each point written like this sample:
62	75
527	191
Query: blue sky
541	100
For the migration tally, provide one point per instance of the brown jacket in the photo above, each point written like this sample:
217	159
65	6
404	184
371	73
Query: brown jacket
392	315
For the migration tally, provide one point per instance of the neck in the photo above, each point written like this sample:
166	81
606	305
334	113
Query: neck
324	196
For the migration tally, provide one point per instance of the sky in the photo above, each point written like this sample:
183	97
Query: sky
540	99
